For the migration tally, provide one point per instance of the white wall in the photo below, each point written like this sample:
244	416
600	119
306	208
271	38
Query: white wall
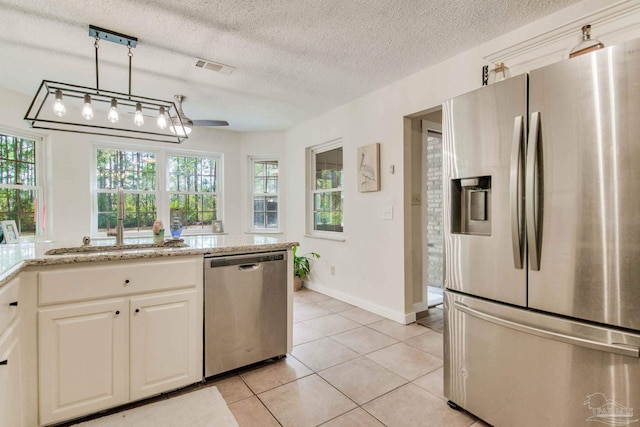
68	160
373	265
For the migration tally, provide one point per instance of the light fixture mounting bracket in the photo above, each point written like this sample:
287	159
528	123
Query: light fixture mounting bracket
112	36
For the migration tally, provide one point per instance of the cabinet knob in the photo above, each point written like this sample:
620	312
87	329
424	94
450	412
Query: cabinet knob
13	304
126	282
137	310
117	312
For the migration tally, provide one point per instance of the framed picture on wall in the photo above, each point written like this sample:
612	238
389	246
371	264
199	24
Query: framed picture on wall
10	231
369	168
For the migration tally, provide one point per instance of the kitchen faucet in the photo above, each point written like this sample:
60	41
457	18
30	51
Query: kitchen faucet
119	233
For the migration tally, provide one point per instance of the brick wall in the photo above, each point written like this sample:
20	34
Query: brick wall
434	210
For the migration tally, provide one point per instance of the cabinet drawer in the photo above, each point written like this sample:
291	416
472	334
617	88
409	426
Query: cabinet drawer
115	279
8	303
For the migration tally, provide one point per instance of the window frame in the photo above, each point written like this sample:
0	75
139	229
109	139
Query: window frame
312	191
163	195
252	160
40	172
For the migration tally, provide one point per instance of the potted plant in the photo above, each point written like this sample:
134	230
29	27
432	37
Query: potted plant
301	267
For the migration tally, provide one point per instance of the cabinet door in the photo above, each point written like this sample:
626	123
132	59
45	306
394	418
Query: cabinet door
166	342
10	378
83	359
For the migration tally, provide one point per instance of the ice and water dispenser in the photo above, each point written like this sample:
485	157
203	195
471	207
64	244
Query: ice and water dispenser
471	205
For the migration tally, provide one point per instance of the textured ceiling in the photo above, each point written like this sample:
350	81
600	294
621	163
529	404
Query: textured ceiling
295	59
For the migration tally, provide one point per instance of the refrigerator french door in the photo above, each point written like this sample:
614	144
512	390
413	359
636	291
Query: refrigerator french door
542	244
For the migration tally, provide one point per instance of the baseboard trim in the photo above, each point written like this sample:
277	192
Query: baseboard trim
402	318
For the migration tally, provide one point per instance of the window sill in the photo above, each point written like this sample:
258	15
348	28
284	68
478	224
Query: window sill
263	232
323	237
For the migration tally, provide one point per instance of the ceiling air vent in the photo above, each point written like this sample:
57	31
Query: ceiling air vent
214	66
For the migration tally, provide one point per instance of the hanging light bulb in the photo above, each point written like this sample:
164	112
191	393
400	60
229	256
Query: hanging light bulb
58	107
162	119
138	118
87	110
113	112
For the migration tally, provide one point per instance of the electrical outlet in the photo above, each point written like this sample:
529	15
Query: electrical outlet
387	213
333	270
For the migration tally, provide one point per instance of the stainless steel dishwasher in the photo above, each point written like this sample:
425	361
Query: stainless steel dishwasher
245	310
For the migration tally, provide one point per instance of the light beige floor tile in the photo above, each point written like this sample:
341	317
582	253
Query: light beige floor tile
364	340
433	382
232	388
480	423
362	379
308	311
199	408
398	331
303	333
274	374
309	401
335	305
361	316
307	295
412	406
250	412
431	342
323	353
406	361
356	418
331	324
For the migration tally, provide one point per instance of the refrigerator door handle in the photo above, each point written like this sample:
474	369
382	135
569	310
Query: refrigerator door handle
617	348
516	191
533	200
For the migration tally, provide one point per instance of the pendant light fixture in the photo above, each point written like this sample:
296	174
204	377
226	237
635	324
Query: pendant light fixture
93	110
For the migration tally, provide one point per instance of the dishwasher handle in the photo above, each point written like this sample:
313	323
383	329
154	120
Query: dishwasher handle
244	260
248	267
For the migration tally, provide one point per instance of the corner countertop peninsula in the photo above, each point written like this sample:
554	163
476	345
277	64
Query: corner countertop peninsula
17	256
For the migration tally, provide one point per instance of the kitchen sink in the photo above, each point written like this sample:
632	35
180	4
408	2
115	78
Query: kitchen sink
86	249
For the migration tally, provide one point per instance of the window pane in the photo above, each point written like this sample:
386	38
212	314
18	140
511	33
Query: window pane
272	204
259	204
272	185
258	219
272	220
197	210
192	174
259	185
140	211
131	170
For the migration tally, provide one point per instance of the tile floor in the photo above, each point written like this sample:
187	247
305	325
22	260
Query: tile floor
348	367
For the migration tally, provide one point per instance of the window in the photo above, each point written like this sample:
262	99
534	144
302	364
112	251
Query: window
135	172
327	188
265	194
193	189
19	189
157	185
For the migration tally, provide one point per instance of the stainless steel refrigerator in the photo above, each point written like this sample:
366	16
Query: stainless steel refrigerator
542	244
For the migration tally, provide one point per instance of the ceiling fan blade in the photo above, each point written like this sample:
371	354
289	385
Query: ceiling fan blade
210	123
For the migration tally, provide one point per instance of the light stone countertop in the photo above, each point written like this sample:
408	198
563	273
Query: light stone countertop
17	256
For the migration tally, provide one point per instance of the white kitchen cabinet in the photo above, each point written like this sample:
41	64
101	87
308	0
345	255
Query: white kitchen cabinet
139	334
166	351
83	358
11	402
